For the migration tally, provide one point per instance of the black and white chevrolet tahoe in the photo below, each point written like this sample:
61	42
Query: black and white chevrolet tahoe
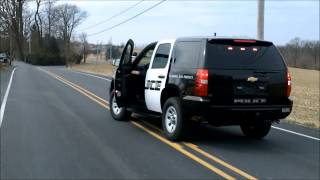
222	81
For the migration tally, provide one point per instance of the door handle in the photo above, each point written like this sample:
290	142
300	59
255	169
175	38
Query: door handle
161	76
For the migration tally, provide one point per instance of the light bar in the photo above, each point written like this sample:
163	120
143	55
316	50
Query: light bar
244	41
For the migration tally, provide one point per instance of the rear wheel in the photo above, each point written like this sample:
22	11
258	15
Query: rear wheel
257	129
173	121
118	113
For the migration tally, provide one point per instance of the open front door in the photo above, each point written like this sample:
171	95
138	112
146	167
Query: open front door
121	82
157	75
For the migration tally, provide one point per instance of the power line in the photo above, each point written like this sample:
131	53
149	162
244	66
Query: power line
108	19
114	26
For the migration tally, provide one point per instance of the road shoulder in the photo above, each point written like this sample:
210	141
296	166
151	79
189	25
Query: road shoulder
5	73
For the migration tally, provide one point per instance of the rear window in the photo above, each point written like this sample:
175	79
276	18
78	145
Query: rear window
228	54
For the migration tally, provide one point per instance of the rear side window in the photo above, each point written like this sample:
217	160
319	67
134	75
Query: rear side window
231	55
161	57
187	54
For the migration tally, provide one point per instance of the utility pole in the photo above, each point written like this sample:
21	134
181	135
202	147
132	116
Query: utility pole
101	48
111	48
97	51
29	46
10	43
30	42
260	23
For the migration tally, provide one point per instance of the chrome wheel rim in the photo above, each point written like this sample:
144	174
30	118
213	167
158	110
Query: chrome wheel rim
115	108
171	119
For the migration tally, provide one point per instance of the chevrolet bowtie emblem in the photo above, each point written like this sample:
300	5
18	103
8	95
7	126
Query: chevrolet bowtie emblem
252	79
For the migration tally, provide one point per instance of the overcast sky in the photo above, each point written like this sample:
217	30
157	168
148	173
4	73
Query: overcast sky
284	20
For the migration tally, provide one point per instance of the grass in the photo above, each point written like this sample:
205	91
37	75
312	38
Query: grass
305	92
2	66
105	68
305	95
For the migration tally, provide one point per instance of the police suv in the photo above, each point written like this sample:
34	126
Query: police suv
222	81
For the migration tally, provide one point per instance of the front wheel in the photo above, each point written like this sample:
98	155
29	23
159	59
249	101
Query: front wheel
256	130
118	113
173	122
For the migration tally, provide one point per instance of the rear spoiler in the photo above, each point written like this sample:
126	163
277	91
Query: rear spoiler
242	42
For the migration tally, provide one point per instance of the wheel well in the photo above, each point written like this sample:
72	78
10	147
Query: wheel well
167	93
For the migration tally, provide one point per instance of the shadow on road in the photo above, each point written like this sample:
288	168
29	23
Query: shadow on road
223	137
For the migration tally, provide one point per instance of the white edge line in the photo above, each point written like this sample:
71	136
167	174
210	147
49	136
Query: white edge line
5	98
299	134
87	74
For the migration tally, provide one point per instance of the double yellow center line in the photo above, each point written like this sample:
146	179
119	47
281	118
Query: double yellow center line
182	147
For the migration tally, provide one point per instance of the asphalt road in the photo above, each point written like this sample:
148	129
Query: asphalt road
57	125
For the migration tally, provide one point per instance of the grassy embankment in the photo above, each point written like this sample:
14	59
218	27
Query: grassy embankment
305	92
104	69
2	66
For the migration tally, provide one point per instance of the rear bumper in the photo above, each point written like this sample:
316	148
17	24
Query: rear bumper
229	115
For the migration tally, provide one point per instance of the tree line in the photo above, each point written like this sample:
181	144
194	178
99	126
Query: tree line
301	53
43	35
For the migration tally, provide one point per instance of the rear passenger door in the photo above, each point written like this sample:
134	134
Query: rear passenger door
157	75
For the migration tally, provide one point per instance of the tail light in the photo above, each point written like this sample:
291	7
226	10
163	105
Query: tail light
201	83
288	84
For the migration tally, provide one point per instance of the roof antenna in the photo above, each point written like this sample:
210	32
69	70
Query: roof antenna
215	34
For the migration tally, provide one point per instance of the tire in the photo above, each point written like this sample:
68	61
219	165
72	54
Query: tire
174	122
118	114
256	130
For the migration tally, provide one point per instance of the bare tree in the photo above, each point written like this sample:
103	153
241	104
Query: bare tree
294	45
38	21
70	16
20	27
302	53
85	46
314	50
12	22
50	16
27	21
